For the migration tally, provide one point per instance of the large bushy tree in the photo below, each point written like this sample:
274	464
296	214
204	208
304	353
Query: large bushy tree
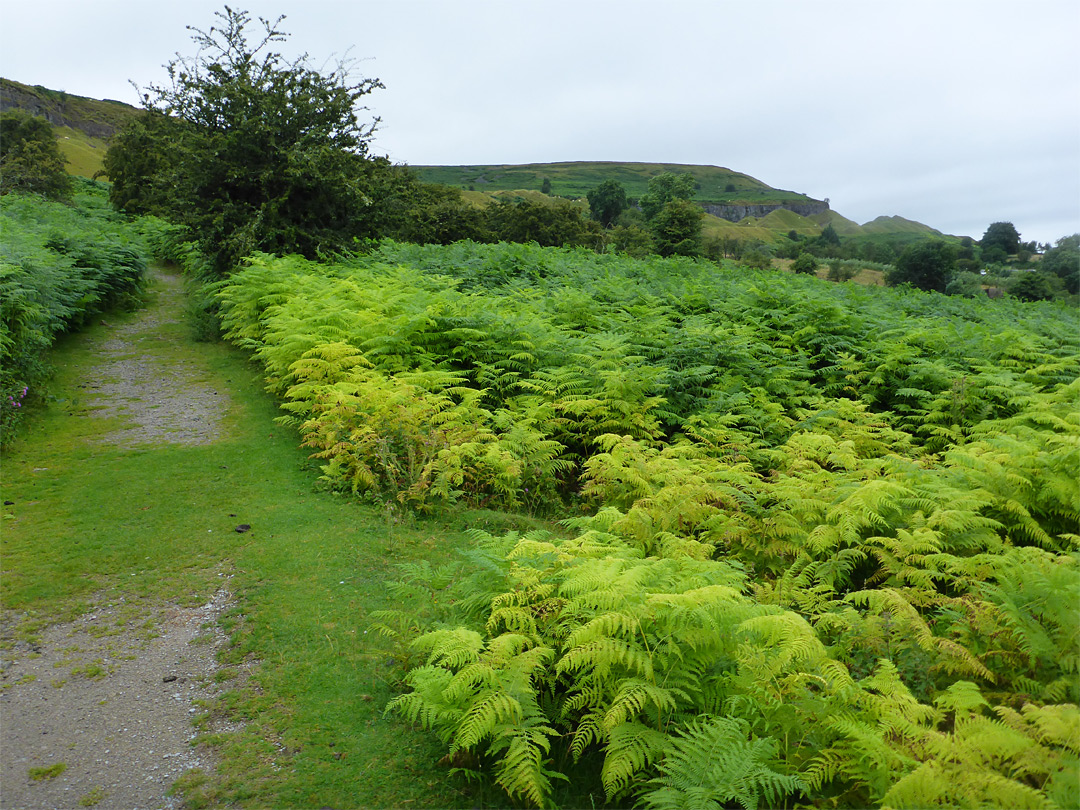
30	158
141	166
607	201
927	264
664	188
1003	235
258	152
431	213
676	229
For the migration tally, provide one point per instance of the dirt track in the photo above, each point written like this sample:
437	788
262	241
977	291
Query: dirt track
107	701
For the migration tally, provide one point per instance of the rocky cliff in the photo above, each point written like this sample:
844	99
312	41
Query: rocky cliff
734	213
98	119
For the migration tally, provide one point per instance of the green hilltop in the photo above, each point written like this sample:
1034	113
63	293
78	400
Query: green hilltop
575	179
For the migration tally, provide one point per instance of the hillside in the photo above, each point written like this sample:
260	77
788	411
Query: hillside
737	206
716	185
83	125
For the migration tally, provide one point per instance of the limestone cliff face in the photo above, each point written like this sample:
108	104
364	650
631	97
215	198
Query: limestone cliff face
734	213
98	119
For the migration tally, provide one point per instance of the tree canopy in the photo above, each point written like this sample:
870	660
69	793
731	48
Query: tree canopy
252	151
547	225
1003	235
927	264
607	201
30	158
677	229
663	189
1063	260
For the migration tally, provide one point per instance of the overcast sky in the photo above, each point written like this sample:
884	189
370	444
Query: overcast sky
955	113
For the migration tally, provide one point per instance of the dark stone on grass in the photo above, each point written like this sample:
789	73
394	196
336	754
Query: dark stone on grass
243	527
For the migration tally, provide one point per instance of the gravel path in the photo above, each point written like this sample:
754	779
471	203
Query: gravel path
162	400
98	712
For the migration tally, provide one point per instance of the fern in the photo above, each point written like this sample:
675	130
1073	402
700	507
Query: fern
711	762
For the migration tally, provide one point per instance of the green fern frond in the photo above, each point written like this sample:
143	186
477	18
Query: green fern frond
520	770
712	761
631	748
451	648
631	699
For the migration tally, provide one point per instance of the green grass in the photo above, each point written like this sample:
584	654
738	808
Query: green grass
93	797
47	772
576	179
85	154
96	522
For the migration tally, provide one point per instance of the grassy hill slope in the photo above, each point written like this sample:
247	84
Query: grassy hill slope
715	184
83	125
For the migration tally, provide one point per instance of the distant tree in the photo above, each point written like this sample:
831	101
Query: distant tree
30	158
1063	260
839	271
966	284
1003	235
926	264
429	213
1035	286
993	254
829	236
545	187
791	250
757	257
729	188
631	239
607	201
805	264
549	225
676	229
664	188
266	154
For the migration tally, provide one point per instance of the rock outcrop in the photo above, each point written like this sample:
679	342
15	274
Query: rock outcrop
735	213
98	119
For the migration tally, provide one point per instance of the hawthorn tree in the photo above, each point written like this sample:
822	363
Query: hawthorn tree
549	225
140	165
30	158
607	201
258	152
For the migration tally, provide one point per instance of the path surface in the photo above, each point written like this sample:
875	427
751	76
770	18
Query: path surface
111	696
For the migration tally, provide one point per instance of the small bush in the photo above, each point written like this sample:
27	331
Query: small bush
805	264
